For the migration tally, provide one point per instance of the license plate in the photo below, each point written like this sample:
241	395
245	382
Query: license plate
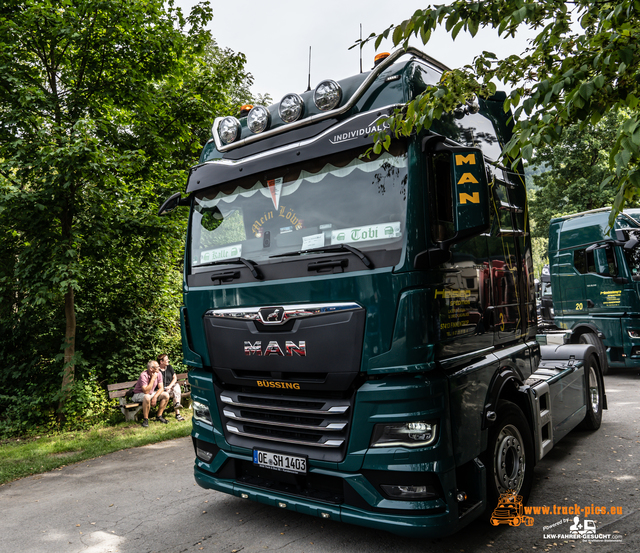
279	461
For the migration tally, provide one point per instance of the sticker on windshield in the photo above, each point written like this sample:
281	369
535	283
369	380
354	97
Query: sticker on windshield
313	241
275	189
219	254
366	233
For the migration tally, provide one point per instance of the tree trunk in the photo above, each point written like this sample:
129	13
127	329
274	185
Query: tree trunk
69	351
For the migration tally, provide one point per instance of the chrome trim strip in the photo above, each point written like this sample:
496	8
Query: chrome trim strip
335	410
332	427
297	311
334	112
301	144
327	443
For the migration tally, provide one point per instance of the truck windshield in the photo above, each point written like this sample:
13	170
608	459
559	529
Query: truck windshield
340	199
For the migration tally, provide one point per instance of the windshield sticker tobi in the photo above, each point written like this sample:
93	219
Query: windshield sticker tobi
219	254
367	233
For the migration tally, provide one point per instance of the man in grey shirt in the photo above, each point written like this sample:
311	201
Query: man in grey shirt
149	390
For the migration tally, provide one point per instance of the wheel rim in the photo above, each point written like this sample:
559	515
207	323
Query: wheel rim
509	460
594	390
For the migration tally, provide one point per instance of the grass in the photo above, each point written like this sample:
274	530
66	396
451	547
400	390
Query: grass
27	456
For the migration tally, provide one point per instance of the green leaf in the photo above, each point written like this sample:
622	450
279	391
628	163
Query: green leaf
456	29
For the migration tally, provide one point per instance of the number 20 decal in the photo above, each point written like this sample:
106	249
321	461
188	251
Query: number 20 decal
579	306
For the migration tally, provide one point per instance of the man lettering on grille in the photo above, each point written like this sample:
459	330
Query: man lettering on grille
149	390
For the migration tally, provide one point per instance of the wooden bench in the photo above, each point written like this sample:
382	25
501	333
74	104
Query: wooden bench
131	409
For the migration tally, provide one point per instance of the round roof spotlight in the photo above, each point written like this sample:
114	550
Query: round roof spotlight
327	95
229	130
258	119
291	107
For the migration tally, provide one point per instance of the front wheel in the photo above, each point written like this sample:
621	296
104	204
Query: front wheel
509	455
593	381
592	339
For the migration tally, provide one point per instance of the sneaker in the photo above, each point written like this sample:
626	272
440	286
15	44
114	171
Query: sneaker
179	418
162	419
145	423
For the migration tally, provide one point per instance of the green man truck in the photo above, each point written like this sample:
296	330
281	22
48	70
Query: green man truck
595	277
361	328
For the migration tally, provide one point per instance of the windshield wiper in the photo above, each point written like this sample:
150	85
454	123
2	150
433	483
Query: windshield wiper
333	248
236	261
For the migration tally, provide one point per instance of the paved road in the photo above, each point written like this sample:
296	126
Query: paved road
145	500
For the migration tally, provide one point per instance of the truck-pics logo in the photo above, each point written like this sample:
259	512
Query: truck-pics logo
273	348
510	511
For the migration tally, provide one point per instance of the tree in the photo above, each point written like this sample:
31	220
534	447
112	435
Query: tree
574	168
103	105
582	64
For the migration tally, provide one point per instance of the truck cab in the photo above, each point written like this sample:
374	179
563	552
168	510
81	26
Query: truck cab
360	327
595	275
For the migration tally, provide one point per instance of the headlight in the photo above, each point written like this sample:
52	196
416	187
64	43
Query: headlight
290	108
633	333
258	119
327	95
407	434
201	413
229	130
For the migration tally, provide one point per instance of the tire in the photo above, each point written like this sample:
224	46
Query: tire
509	457
593	381
590	338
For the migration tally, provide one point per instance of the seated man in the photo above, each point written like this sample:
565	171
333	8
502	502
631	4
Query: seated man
149	390
171	386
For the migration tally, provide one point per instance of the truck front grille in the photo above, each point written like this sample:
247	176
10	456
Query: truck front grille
316	427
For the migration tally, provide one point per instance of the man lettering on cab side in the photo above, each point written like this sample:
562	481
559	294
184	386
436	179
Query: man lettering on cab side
149	390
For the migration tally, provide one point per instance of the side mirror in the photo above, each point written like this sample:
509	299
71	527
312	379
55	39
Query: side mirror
171	203
601	262
458	196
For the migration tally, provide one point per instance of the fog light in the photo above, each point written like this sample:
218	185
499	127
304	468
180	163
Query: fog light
229	129
290	108
327	95
282	505
244	495
258	119
325	515
408	434
409	492
205	456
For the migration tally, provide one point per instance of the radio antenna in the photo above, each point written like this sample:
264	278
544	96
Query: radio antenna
360	47
309	81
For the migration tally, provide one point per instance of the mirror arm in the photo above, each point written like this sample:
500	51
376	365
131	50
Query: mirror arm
172	202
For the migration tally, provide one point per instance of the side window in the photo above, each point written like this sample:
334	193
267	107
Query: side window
589	261
441	197
611	261
580	261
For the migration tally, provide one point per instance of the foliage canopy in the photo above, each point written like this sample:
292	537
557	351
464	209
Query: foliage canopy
583	63
103	107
